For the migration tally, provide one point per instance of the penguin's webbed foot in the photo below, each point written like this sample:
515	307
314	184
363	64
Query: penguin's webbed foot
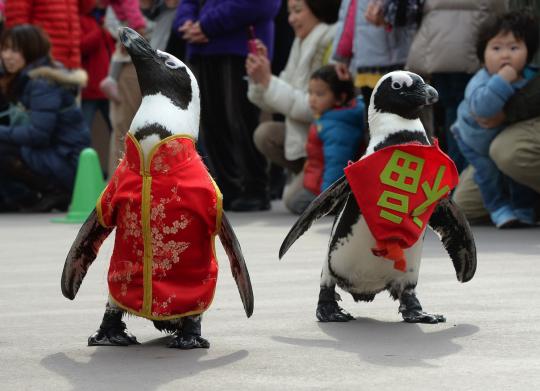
415	316
411	310
112	337
186	342
188	335
330	311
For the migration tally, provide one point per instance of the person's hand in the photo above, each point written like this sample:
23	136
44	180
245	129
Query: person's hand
261	48
185	27
491	122
374	13
141	31
145	4
508	73
194	33
171	3
258	68
342	71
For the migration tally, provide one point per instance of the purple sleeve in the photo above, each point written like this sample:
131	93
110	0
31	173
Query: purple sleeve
187	10
230	15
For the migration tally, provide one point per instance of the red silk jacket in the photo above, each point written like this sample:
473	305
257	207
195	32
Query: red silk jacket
166	211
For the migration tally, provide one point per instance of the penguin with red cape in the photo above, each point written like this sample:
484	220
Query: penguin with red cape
383	205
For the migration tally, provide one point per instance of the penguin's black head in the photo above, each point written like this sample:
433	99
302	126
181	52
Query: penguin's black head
157	71
402	93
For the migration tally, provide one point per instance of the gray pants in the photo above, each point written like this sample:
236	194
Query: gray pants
516	152
295	196
269	138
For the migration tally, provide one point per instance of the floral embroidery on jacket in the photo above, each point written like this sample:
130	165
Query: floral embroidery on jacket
166	215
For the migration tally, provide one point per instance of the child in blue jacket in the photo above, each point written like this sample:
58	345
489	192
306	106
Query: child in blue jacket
505	48
335	137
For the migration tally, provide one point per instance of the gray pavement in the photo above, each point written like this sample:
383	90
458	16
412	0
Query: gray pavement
490	341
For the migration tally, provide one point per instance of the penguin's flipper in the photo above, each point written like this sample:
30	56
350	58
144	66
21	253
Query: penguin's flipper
238	265
327	201
451	225
82	253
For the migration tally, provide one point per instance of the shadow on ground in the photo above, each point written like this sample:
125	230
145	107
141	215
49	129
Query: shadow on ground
393	344
142	367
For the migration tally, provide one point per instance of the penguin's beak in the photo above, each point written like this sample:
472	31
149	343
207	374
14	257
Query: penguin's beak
431	94
135	44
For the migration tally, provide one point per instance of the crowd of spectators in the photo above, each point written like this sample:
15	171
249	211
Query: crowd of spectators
264	68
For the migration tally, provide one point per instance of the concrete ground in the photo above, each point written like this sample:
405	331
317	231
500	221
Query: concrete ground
490	341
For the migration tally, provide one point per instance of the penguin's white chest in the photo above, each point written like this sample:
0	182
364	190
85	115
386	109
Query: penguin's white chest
351	259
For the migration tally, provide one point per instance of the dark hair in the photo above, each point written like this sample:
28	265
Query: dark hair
30	40
339	87
325	10
523	23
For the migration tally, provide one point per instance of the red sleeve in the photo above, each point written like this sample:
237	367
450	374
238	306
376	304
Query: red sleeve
130	12
314	167
91	35
17	12
345	45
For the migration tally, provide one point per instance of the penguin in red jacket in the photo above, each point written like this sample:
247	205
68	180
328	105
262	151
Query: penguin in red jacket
166	210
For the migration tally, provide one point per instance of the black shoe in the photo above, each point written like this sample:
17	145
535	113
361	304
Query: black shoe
249	204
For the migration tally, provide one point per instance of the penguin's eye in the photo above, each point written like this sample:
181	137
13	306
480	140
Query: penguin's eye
396	85
172	64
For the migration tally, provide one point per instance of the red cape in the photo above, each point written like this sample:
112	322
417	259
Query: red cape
397	189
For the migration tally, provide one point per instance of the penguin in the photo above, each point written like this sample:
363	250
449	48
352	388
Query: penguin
351	262
166	210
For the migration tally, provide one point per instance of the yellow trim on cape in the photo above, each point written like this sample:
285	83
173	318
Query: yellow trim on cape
144	171
152	317
148	252
99	210
145	162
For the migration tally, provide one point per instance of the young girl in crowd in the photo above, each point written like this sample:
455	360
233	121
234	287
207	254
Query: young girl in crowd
283	143
335	137
40	145
505	48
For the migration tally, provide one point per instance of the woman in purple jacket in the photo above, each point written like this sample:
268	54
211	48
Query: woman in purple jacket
217	34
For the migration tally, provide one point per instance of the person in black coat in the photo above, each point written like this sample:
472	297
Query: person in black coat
45	130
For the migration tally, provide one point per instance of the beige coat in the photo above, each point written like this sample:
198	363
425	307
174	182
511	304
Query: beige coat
287	94
446	39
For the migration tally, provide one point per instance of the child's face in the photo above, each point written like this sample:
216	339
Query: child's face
321	97
505	49
301	18
13	60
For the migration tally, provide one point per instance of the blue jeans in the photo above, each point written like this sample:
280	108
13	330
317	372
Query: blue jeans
497	189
